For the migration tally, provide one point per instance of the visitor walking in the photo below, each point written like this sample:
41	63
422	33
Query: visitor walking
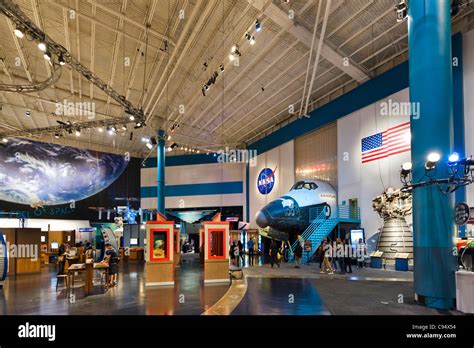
347	255
240	246
361	250
326	265
250	246
274	254
298	253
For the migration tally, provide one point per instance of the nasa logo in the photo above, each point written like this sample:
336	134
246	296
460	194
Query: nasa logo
266	181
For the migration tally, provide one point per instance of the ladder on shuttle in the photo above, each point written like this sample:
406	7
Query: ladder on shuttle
321	225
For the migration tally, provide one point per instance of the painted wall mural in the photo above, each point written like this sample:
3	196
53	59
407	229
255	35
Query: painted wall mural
41	174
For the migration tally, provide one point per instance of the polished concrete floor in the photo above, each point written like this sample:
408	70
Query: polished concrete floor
270	291
280	296
366	291
36	294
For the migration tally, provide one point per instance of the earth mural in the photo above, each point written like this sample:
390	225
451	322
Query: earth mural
40	174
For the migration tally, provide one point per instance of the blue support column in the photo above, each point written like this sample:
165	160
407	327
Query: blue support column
431	85
458	115
160	172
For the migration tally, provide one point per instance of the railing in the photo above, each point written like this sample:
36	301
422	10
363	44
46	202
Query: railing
321	225
347	212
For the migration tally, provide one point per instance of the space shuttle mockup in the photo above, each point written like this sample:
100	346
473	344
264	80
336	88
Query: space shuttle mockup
289	214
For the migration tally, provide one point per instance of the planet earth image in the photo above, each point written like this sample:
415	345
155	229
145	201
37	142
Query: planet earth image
40	174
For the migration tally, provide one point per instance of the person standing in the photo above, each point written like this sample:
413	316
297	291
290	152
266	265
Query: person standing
347	256
298	253
232	250
61	258
340	255
250	246
361	252
274	254
112	258
326	264
241	252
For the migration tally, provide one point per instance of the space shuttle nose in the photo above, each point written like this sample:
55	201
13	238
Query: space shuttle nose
261	219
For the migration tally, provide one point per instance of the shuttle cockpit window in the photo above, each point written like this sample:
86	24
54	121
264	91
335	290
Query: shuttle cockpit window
304	185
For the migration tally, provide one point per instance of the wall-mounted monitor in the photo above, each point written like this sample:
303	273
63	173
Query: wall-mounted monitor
133	241
43	239
54	245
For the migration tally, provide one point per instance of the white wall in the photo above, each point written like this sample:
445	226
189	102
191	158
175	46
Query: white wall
368	180
196	174
281	158
468	76
55	225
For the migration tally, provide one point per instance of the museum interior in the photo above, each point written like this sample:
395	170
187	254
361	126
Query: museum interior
237	157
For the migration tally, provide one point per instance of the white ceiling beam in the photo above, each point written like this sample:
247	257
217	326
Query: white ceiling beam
304	36
123	17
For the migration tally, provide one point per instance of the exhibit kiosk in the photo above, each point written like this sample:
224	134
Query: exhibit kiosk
216	252
159	267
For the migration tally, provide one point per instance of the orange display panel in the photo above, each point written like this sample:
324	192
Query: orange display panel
216	243
159	245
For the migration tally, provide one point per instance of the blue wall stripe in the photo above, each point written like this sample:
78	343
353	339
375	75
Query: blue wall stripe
369	92
182	160
195	189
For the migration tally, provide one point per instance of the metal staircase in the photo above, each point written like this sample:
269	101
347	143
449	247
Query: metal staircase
321	226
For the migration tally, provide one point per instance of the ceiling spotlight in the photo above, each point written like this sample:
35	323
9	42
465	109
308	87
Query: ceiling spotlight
222	67
453	158
149	145
432	159
47	55
19	33
168	137
198	151
111	130
57	135
258	26
231	57
252	40
185	149
233	49
145	140
247	36
131	118
215	154
42	46
61	60
100	129
78	133
406	169
27	113
5	140
139	125
181	148
168	149
124	127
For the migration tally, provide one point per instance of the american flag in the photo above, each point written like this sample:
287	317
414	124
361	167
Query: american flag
390	142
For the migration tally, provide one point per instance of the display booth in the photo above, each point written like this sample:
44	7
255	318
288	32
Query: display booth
177	251
159	268
216	252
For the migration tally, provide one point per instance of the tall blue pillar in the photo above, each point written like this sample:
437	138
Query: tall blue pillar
458	115
431	85
160	172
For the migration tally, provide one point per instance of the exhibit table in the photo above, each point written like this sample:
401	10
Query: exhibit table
465	291
88	268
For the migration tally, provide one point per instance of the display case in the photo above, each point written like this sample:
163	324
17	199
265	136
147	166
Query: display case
159	268
216	252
